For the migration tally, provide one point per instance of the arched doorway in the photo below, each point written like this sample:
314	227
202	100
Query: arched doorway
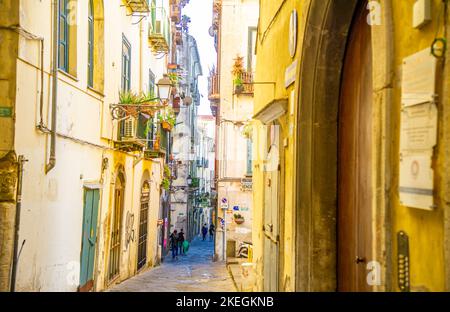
116	226
143	225
321	171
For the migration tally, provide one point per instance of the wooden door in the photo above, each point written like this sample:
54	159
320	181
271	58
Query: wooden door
143	226
271	210
89	239
355	160
116	224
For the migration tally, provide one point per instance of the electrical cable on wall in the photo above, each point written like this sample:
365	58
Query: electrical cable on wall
439	45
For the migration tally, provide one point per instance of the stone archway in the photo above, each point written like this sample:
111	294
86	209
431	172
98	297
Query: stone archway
326	32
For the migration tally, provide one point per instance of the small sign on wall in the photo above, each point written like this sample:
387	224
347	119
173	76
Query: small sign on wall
418	133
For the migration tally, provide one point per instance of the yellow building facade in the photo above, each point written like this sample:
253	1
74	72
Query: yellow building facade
333	155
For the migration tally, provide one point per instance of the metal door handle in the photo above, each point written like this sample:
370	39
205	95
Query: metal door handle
360	260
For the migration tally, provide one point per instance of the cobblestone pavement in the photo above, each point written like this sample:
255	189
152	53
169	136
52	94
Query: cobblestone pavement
194	272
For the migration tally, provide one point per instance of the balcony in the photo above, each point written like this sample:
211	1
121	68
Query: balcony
159	32
213	87
158	144
138	6
175	13
195	182
246	87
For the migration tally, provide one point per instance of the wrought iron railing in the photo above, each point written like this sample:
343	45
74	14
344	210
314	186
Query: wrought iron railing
213	87
247	86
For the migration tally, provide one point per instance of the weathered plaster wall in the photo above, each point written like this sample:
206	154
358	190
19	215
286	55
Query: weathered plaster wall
9	16
52	207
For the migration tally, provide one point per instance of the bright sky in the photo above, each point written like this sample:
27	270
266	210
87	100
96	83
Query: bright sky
200	12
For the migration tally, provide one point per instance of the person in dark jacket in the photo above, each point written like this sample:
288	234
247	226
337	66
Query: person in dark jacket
204	231
174	244
181	241
212	229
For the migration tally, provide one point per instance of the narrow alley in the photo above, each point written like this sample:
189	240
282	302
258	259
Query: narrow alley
310	139
194	272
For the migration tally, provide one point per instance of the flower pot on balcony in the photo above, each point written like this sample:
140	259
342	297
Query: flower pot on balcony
156	144
238	89
166	126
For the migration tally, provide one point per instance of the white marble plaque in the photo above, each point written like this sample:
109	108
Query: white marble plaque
419	127
419	78
416	180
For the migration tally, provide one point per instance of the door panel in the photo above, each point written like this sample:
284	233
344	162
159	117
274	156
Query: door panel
116	223
271	206
355	153
143	226
89	238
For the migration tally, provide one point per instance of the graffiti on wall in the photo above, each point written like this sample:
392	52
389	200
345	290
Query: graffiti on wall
129	229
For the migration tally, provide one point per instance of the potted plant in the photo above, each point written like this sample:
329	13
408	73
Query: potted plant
165	184
147	98
156	144
128	97
167	172
238	71
238	85
238	218
167	120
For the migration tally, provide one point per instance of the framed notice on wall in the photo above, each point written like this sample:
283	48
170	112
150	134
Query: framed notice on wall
418	132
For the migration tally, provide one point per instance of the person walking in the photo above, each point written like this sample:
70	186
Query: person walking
181	241
204	231
212	229
174	244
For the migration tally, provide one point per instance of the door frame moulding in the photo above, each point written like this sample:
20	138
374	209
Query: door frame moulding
327	24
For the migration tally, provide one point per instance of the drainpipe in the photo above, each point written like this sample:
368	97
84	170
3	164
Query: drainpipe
21	161
52	161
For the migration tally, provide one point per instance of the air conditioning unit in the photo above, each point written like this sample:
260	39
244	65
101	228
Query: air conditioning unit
129	128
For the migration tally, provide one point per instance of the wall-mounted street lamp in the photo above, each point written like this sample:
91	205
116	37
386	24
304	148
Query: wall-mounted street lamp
164	86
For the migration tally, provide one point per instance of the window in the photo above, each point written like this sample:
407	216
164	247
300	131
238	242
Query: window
67	41
126	65
251	56
151	82
63	35
91	45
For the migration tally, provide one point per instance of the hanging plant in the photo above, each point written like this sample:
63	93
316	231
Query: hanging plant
174	77
167	120
238	218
